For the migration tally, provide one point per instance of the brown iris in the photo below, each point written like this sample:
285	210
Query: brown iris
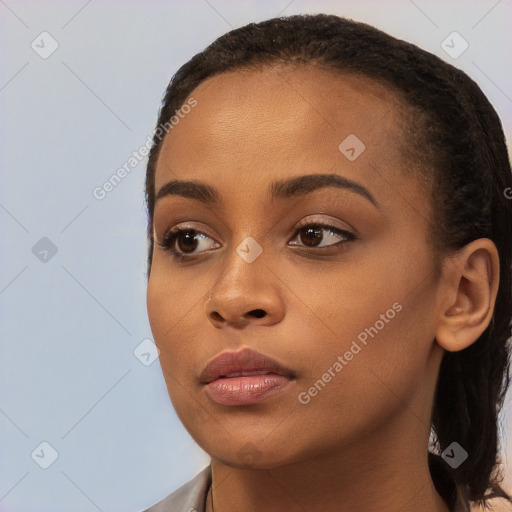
187	240
311	234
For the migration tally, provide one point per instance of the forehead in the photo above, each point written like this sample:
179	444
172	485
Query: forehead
254	125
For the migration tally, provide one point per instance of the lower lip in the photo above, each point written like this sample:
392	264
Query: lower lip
249	389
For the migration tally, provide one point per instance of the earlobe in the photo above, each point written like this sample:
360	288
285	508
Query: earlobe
469	289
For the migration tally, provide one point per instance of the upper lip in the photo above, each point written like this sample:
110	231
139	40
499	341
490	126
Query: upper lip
238	363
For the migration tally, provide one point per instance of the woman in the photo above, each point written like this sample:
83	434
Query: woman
329	272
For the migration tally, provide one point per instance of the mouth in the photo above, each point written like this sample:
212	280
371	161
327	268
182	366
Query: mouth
244	377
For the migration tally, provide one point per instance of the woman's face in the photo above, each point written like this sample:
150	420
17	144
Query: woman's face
349	308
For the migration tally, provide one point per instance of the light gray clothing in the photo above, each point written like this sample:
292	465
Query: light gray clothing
190	497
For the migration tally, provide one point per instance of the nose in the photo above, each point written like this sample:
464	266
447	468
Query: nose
245	294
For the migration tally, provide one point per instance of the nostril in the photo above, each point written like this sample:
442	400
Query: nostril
258	313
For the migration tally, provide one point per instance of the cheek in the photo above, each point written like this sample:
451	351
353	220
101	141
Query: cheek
161	310
169	321
342	301
369	342
170	305
358	383
172	298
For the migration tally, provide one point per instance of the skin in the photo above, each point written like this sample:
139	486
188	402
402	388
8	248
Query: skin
361	443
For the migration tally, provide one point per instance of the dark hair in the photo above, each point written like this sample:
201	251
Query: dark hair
457	138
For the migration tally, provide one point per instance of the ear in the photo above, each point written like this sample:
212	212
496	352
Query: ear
470	285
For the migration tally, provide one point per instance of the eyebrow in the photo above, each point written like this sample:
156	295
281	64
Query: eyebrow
281	189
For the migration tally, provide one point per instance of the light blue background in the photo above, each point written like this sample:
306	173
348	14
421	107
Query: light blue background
70	325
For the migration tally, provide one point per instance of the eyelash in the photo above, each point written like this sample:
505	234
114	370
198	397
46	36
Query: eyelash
170	237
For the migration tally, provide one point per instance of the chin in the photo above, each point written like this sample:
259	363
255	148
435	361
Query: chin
250	455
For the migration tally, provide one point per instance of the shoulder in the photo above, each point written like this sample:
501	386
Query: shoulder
190	497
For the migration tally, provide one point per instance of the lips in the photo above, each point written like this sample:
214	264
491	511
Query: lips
244	378
242	363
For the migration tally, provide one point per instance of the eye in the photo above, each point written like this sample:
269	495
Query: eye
312	235
184	241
